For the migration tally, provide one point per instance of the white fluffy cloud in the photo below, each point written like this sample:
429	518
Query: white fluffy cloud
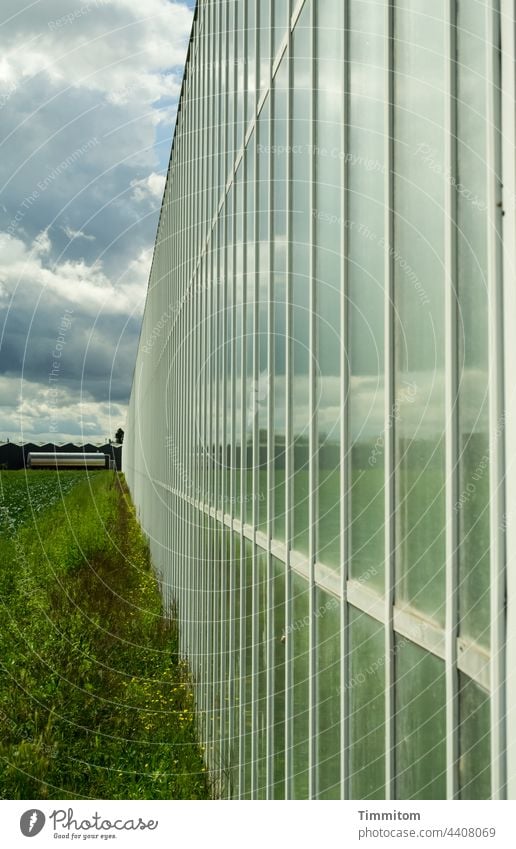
77	234
30	411
76	283
150	188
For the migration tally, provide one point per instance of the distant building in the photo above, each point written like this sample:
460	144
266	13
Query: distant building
14	455
67	460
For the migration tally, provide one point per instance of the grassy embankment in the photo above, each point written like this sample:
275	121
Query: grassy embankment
94	698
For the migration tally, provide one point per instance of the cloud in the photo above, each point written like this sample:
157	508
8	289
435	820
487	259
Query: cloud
73	282
119	49
150	188
30	411
77	234
88	97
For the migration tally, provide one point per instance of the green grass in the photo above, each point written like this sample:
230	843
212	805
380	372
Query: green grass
24	495
95	700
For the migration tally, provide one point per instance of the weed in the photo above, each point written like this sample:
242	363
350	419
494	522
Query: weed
95	700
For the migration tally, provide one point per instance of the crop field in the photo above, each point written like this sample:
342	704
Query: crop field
25	494
95	700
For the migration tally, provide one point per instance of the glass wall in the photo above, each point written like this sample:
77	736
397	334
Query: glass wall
329	733
312	424
366	689
300	277
364	232
420	724
328	295
419	292
472	182
279	173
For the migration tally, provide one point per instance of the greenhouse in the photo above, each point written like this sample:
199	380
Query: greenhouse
319	435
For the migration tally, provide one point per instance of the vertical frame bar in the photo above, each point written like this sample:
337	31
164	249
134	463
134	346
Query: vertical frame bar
390	365
451	405
255	462
312	437
270	453
508	88
496	407
232	493
345	446
289	451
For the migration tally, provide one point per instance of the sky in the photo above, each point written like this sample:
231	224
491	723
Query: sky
88	98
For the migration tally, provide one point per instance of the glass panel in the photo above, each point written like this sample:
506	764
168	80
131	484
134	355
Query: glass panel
218	625
211	644
230	69
259	388
300	229
211	357
366	689
223	690
226	312
264	41
327	612
473	501
261	684
220	298
365	226
247	670
279	647
234	680
475	761
300	635
251	283
280	12
238	340
221	92
205	628
249	61
328	227
240	71
418	417
420	723
279	258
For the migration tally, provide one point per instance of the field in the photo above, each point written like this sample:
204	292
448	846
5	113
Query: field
95	701
24	495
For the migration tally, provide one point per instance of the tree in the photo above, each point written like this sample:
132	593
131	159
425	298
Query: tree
119	435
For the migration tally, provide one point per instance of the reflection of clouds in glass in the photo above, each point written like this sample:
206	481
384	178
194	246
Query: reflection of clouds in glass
368	88
330	74
280	249
474	410
368	407
303	78
418	410
328	406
